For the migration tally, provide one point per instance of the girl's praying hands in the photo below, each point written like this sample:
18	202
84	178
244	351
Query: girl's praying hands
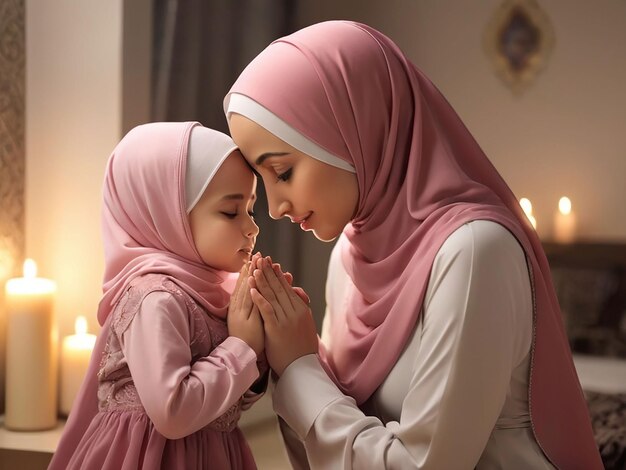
244	321
289	326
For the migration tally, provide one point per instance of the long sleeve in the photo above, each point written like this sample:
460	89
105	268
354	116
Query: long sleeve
258	388
178	396
475	329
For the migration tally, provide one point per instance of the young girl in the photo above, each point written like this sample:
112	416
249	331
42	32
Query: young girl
171	371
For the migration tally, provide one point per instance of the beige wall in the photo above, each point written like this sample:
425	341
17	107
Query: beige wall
565	135
74	118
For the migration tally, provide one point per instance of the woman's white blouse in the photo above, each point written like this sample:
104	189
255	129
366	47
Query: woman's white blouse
457	398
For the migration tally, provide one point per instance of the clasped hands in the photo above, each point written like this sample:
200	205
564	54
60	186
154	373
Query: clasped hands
270	315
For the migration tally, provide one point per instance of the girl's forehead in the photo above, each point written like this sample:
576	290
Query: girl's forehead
233	178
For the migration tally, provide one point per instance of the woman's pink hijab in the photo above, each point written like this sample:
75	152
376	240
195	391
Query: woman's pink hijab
146	230
421	175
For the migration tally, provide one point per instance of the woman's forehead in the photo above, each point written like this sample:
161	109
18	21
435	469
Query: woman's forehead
249	132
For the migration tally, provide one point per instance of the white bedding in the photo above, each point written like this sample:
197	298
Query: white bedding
601	374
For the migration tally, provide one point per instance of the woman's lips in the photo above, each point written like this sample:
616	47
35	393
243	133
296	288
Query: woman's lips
302	221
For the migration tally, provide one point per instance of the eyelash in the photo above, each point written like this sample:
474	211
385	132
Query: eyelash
285	175
233	215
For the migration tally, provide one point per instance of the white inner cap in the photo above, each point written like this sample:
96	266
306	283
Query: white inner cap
208	149
241	104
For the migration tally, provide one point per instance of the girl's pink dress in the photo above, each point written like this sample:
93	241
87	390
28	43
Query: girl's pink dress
155	409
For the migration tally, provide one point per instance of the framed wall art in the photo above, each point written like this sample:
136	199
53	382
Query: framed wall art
519	39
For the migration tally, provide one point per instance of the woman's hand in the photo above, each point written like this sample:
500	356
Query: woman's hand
289	278
244	320
290	331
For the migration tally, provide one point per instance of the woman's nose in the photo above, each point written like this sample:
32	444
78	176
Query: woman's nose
278	208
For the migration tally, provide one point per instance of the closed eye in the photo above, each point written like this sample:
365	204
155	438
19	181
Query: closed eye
285	175
232	215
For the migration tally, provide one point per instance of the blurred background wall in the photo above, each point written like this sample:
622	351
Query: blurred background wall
95	69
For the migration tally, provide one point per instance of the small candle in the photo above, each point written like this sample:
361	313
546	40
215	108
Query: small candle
75	354
31	355
527	207
564	222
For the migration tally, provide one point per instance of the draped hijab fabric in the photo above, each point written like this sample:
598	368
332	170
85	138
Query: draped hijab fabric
145	223
421	175
146	230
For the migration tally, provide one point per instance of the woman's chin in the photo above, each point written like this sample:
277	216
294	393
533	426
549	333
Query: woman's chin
325	235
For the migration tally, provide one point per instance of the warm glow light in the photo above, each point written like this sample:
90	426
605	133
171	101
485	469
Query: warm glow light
527	206
565	205
81	340
30	284
6	264
80	325
30	268
31	357
75	355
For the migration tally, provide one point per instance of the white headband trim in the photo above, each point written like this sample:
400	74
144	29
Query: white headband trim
208	149
247	107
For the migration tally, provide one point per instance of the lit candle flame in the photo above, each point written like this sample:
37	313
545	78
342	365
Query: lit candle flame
80	325
527	206
565	205
30	268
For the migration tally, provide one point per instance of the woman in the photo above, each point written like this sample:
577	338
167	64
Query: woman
443	345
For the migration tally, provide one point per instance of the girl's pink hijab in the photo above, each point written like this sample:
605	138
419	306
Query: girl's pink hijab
421	175
145	222
146	230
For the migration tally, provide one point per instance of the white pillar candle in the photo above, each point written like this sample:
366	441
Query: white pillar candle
564	222
75	354
31	356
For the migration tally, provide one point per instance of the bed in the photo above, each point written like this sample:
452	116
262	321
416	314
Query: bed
590	280
604	382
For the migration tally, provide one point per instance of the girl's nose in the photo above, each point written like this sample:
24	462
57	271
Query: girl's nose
253	229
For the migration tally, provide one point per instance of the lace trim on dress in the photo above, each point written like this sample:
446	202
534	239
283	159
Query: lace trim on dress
116	390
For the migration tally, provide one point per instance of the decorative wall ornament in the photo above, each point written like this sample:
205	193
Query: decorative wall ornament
519	39
12	152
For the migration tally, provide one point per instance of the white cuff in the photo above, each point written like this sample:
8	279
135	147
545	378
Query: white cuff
302	392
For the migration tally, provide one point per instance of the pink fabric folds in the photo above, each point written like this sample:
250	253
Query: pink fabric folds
421	175
145	224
